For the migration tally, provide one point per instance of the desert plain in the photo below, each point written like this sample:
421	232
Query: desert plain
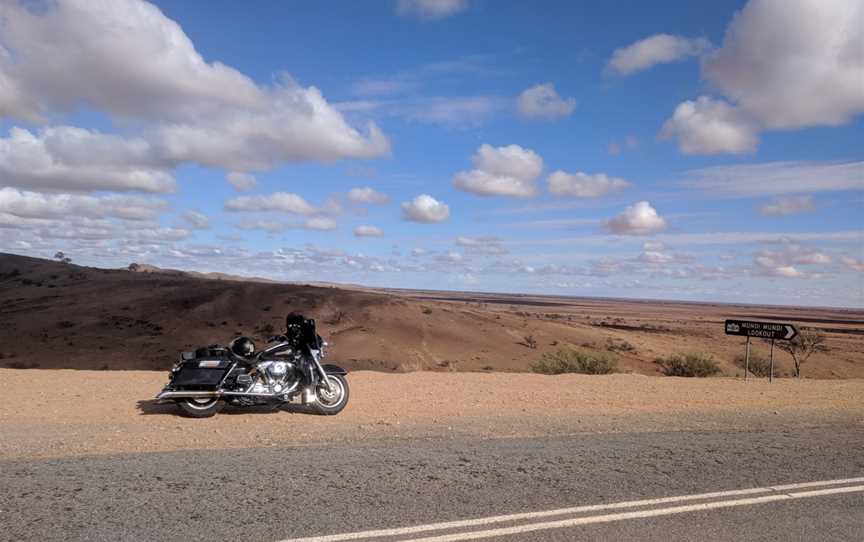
83	352
63	316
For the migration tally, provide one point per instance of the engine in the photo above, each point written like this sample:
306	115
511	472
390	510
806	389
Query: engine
274	377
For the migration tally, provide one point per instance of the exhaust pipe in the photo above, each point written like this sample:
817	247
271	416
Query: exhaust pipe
171	394
168	394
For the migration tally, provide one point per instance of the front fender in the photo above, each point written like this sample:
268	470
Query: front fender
331	369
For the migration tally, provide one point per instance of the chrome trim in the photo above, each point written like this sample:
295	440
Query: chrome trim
171	394
321	370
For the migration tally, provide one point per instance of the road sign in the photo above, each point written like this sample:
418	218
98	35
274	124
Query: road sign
764	330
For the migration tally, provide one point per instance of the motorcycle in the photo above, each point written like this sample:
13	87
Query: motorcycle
203	382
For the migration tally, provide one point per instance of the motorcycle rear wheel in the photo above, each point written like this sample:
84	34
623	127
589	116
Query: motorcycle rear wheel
200	408
332	402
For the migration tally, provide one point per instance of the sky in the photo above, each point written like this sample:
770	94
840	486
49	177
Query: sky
709	151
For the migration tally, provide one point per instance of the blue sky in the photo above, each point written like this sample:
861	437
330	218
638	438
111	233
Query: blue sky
679	150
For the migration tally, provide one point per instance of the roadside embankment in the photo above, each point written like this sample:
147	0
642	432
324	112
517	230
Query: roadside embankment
56	413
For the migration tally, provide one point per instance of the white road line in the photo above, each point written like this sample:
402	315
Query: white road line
401	531
639	514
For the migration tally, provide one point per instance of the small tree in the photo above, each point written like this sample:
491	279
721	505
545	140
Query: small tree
61	257
134	267
807	343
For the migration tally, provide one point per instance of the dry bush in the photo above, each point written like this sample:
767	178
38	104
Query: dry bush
693	364
569	360
807	343
619	345
759	365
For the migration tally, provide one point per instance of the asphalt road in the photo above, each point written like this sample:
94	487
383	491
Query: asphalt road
281	493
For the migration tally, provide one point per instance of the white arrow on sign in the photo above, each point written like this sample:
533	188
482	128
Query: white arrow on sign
790	332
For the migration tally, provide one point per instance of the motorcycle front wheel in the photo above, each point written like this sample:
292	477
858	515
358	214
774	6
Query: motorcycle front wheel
333	401
203	407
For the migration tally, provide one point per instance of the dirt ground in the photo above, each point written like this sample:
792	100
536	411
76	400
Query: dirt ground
56	413
63	316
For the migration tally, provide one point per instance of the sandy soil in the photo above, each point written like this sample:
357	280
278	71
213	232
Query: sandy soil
65	316
54	413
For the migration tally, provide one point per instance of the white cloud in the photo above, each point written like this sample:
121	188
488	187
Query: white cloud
367	194
379	87
241	181
656	257
735	238
320	223
630	142
299	126
416	77
656	49
543	102
853	263
656	253
275	226
449	112
482	245
583	185
807	74
788	205
270	226
278	201
638	219
430	9
425	209
787	271
126	56
777	178
784	262
503	171
196	221
34	205
73	159
451	257
368	231
709	126
791	254
131	61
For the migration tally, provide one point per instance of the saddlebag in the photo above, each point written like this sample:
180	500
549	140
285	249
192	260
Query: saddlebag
200	373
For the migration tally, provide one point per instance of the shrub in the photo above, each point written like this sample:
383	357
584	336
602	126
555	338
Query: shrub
807	343
759	366
529	341
691	364
569	360
619	345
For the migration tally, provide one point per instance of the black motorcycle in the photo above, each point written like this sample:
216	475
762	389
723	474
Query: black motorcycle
204	381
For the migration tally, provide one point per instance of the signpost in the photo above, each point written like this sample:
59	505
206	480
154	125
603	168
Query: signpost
772	331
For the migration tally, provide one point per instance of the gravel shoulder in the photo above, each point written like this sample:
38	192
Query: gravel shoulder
59	413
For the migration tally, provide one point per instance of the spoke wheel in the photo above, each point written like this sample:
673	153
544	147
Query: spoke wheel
200	407
332	401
